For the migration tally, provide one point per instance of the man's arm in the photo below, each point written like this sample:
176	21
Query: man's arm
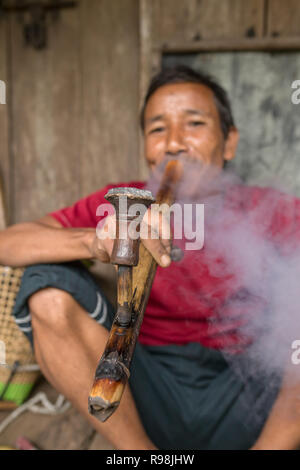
44	241
47	241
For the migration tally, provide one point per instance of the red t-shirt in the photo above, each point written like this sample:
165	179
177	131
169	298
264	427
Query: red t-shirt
212	294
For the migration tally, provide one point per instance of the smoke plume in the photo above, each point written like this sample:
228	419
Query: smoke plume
252	250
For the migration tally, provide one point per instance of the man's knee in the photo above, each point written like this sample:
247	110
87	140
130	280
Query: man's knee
51	306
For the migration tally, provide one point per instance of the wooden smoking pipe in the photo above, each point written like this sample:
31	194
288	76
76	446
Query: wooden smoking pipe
136	271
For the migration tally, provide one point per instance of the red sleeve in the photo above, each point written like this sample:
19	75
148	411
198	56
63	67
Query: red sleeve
83	213
274	214
285	226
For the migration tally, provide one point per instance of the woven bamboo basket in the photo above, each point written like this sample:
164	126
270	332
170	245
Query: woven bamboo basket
18	368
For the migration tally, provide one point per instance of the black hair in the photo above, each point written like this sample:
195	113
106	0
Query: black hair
184	74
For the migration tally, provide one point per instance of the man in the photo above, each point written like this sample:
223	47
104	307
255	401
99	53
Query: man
181	394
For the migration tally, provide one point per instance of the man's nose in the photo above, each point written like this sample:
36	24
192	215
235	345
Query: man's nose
175	141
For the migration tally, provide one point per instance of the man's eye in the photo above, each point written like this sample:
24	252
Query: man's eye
157	129
196	123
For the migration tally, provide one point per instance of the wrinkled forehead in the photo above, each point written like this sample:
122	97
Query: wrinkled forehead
180	98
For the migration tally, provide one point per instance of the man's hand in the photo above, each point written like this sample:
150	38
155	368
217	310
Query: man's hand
47	241
155	235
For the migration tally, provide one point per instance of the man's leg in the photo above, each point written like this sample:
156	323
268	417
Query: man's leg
68	345
281	430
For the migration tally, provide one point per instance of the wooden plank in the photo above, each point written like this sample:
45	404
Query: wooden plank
46	112
191	20
146	67
3	216
245	44
146	45
110	64
4	132
283	18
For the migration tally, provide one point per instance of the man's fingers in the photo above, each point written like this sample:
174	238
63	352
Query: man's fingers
159	252
155	233
104	240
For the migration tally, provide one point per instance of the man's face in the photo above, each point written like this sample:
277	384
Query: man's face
182	119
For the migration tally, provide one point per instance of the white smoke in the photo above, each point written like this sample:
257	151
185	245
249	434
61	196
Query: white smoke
252	246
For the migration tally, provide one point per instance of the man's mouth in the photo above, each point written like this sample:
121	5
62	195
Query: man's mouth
199	179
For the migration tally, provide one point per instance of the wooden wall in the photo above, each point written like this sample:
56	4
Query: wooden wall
194	20
207	19
4	137
72	107
70	124
283	18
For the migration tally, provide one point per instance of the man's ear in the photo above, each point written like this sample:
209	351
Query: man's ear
231	143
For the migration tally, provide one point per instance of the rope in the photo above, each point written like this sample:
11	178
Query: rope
45	408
